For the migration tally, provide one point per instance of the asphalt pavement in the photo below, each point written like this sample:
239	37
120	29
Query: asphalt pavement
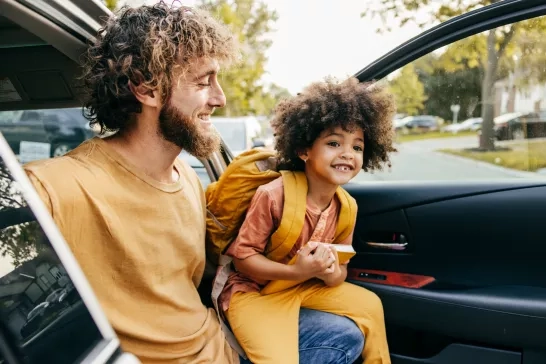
420	160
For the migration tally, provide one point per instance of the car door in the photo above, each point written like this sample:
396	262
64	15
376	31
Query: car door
48	312
454	247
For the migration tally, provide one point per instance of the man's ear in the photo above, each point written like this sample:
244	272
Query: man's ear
145	95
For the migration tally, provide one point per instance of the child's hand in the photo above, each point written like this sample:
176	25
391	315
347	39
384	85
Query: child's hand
331	272
313	259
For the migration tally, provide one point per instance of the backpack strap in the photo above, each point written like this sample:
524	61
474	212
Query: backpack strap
293	215
347	215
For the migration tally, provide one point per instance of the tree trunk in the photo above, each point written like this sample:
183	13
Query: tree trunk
487	138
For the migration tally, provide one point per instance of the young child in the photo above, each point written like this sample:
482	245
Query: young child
330	131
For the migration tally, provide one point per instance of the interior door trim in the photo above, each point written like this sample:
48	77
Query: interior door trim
398	279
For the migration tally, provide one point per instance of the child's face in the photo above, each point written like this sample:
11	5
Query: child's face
336	156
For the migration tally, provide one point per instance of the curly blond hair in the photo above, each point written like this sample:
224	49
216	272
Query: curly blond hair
300	120
150	46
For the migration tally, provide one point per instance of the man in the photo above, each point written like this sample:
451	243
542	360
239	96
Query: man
132	212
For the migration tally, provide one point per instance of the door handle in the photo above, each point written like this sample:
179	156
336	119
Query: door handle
398	243
387	246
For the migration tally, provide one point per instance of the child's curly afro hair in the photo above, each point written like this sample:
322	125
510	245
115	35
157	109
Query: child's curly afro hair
300	120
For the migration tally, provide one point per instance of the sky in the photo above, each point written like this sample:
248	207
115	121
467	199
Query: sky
318	38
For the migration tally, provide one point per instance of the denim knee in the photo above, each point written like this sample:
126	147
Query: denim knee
328	338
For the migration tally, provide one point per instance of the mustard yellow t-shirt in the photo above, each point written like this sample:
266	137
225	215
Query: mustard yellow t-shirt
141	245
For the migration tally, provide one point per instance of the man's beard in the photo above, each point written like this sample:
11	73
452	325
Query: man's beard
186	133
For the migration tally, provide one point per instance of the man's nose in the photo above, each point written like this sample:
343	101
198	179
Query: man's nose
218	98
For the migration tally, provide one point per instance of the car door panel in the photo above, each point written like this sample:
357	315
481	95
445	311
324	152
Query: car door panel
469	230
472	270
470	285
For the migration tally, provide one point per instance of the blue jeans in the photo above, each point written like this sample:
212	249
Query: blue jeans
325	338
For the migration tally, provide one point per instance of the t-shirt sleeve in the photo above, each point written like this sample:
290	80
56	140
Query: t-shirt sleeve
42	192
256	229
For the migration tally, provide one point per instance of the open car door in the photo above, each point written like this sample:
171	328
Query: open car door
456	251
454	248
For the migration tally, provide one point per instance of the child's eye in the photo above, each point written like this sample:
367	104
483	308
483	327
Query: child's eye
358	148
333	144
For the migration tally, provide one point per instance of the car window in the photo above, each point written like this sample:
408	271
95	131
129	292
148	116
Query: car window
73	115
197	166
45	133
8	117
32	115
233	133
493	90
41	312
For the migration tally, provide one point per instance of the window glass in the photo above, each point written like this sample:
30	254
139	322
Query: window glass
234	134
197	166
40	309
465	113
42	134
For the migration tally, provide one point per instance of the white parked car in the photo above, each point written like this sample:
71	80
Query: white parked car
472	124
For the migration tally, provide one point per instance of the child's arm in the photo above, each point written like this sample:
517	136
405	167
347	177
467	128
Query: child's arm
248	248
259	267
312	259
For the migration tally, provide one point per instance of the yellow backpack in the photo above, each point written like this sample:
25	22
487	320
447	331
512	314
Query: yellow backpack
228	200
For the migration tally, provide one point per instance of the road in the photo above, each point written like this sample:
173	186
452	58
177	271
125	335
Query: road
419	160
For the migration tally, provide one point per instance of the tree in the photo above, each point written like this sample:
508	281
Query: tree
111	4
19	242
451	78
408	91
490	54
265	102
251	21
530	57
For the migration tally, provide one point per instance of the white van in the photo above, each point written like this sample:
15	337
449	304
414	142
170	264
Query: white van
239	133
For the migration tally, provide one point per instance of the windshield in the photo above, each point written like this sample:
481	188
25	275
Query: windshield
233	133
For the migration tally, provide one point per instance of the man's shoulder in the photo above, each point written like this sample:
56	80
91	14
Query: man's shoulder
57	171
48	167
79	153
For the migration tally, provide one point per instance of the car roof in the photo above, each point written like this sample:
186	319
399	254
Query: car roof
55	33
507	117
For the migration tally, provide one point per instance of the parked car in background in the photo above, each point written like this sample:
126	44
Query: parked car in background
520	126
472	124
49	132
197	166
239	133
418	124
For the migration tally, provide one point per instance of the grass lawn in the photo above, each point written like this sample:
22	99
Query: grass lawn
525	156
401	138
